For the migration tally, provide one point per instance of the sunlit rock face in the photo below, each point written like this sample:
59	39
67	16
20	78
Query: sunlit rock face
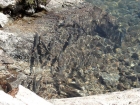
5	3
3	20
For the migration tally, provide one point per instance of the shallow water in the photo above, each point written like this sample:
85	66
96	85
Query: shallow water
127	12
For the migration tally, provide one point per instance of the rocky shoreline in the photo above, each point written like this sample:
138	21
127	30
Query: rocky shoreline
70	51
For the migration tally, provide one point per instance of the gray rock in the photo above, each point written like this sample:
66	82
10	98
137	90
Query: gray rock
2	67
5	58
19	79
137	68
12	44
110	79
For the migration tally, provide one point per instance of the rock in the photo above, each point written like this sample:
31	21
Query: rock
13	67
135	56
110	79
24	96
127	62
75	43
21	96
118	98
5	58
53	4
11	100
137	68
20	77
118	50
3	19
5	3
10	42
4	74
132	77
27	71
30	11
2	67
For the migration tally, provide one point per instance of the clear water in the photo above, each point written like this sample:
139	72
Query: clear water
127	12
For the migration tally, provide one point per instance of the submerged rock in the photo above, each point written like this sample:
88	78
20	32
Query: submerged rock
71	52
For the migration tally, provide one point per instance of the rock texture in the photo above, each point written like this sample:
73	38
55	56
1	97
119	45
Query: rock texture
68	53
59	3
11	41
21	96
24	96
3	20
71	51
5	3
129	97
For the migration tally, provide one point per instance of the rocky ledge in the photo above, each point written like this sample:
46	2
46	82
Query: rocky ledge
24	96
69	51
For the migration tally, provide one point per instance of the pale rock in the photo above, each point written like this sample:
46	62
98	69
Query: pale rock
30	98
23	97
2	67
16	45
6	99
3	19
58	3
27	71
5	3
8	41
128	97
13	67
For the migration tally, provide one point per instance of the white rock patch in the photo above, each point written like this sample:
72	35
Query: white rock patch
5	3
3	19
58	3
23	97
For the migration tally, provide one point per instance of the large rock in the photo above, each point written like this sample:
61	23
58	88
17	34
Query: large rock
23	96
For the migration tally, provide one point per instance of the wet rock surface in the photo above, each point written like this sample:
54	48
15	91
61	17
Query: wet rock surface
74	51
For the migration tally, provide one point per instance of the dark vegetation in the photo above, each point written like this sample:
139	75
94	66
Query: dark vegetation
25	8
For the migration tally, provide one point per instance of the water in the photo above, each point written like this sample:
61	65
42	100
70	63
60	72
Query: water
127	12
